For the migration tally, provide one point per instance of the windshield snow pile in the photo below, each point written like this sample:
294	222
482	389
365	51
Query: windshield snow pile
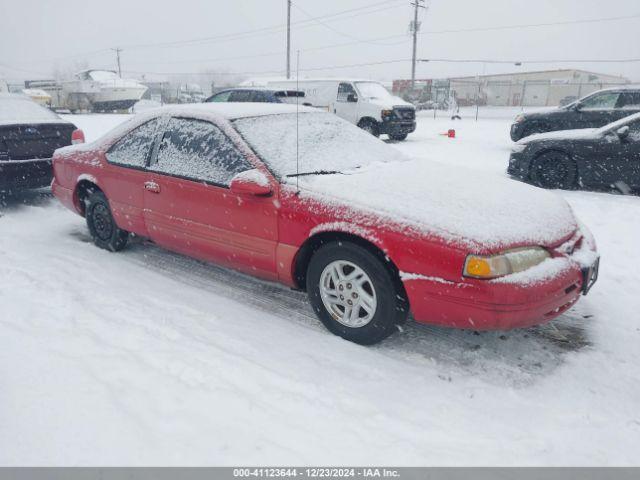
325	143
16	109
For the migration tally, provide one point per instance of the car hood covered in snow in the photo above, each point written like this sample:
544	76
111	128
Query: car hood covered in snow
464	206
580	134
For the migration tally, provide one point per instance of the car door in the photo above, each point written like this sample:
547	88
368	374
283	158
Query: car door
346	103
123	183
189	207
614	159
596	111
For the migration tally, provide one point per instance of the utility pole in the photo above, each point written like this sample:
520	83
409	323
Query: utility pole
288	38
414	28
118	50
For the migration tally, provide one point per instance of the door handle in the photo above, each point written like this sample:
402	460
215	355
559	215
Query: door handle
153	187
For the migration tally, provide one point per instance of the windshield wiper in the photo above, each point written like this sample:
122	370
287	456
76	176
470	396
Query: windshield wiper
317	172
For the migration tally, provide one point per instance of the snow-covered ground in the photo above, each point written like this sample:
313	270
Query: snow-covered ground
150	358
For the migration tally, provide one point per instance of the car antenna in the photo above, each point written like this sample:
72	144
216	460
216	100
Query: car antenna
297	115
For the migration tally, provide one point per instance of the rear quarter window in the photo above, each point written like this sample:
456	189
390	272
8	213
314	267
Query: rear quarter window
134	148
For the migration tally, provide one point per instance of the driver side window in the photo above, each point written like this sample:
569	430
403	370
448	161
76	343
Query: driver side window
601	101
198	150
344	90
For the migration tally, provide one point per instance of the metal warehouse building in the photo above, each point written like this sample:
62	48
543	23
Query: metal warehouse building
541	88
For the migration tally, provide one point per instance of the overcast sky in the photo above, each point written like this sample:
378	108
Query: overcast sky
38	35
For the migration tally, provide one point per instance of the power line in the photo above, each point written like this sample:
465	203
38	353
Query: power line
266	30
523	62
335	30
531	25
267	72
273	54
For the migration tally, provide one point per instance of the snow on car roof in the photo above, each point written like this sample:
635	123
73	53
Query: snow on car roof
19	109
231	110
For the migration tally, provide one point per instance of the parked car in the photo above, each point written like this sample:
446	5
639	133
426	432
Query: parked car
258	95
365	103
334	212
592	157
593	111
29	134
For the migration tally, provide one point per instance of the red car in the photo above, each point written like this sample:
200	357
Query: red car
308	200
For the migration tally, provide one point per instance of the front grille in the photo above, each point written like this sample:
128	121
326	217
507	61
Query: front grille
405	113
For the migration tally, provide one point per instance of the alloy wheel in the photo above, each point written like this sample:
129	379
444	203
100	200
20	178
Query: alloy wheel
348	294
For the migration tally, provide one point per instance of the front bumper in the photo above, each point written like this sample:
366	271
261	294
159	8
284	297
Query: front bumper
497	305
397	127
25	174
516	131
518	166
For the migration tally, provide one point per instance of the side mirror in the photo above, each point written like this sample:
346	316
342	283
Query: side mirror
577	107
623	132
251	182
352	98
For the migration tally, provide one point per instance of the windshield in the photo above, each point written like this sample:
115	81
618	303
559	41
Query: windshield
325	143
23	110
373	90
102	75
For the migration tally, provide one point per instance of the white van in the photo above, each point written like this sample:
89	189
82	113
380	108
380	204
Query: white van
365	103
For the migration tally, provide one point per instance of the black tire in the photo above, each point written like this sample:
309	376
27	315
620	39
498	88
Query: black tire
399	138
391	305
554	170
102	226
370	126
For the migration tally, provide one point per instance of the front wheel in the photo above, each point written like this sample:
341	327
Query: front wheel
369	126
554	170
398	138
102	226
354	294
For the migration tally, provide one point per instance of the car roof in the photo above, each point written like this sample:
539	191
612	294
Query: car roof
19	109
255	89
620	88
233	111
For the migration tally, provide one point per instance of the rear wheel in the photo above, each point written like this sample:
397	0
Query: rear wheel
354	294
554	170
102	227
369	126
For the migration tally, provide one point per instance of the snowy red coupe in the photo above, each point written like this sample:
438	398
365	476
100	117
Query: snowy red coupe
308	200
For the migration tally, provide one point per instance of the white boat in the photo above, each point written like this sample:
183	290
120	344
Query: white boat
102	90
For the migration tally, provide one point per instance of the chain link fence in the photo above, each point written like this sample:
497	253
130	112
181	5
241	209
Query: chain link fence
479	97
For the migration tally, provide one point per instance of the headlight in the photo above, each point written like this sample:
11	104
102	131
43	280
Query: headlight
520	118
386	113
506	263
